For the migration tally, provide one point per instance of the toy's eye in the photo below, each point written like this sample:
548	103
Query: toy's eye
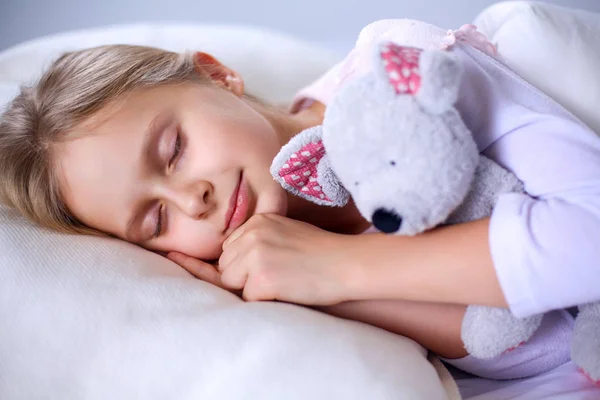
392	163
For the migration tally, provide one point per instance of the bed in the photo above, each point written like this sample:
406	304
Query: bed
94	318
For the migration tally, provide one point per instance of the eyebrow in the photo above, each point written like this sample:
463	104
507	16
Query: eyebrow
151	135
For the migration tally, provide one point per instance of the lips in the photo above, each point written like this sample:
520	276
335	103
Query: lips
238	206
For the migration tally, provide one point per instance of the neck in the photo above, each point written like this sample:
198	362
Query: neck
288	125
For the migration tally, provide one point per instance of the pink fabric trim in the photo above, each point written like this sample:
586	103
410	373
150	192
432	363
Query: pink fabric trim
468	34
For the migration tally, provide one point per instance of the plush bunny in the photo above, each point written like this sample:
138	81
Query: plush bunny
393	141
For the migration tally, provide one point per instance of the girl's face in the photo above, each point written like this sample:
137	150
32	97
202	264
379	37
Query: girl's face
173	168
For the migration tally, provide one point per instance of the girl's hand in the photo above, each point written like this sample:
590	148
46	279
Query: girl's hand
275	258
200	269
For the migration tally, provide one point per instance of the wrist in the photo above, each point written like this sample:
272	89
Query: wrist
353	268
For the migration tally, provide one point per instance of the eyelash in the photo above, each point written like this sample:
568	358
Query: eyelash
176	150
158	229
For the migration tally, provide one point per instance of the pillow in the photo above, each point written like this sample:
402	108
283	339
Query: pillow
555	48
95	318
291	62
8	90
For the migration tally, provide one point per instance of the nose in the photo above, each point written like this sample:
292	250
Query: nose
194	199
386	221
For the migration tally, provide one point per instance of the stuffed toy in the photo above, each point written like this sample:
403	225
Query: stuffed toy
393	142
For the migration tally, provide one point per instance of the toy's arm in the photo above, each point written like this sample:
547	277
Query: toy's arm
490	181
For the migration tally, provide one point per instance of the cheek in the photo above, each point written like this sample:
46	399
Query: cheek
248	138
194	238
239	136
218	149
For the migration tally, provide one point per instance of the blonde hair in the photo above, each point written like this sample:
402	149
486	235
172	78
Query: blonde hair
75	87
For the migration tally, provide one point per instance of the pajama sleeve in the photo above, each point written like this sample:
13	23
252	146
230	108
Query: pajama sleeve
546	244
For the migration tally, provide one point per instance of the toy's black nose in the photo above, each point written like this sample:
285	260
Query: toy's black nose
386	221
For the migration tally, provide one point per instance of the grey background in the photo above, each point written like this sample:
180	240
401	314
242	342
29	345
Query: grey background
333	23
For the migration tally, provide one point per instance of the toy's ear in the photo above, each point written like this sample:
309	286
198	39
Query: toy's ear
431	76
302	168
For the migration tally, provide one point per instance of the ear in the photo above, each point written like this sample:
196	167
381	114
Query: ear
432	77
220	74
303	169
441	73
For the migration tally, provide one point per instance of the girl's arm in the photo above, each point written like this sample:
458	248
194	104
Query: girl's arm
451	264
434	326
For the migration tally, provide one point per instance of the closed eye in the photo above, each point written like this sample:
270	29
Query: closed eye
176	150
159	222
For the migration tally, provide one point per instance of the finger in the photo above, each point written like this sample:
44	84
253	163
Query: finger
228	255
256	290
235	276
232	252
200	269
234	236
252	223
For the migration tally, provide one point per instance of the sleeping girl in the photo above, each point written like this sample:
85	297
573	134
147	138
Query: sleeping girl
168	151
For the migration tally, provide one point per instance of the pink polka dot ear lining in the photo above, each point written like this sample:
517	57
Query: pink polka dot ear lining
300	171
402	67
